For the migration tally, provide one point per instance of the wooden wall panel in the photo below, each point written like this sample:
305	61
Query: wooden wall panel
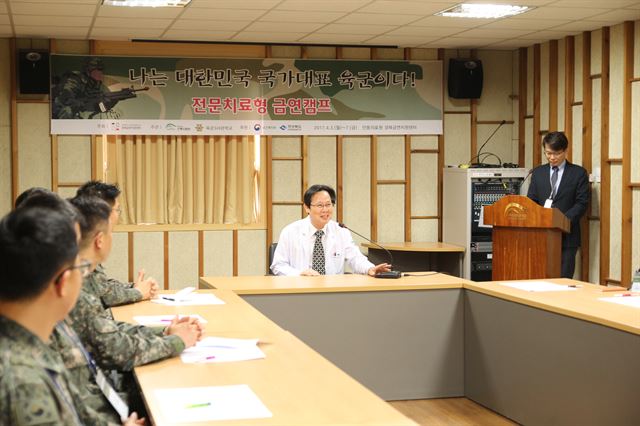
596	125
577	69
635	256
5	128
562	46
117	264
74	159
576	138
390	213
528	144
6	201
496	102
287	181
635	131
391	158
458	133
616	93
424	142
218	253
288	146
356	189
148	253
544	86
183	259
322	160
282	216
34	146
424	230
615	228
594	252
424	191
251	255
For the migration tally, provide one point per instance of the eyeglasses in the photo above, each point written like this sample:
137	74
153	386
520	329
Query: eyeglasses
553	154
84	267
323	206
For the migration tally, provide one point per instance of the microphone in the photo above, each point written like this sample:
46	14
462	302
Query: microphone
389	274
485	142
525	179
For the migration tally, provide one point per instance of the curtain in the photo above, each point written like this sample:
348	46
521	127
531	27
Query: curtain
187	179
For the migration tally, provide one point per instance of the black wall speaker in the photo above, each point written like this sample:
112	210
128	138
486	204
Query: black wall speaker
33	72
465	78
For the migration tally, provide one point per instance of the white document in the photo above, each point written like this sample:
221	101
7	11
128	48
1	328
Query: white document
151	320
201	404
481	219
633	301
222	349
537	286
191	299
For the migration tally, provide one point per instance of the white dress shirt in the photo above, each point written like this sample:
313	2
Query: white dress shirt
295	249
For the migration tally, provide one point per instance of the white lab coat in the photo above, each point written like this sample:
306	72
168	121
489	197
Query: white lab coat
295	248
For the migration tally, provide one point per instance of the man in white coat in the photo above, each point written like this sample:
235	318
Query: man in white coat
317	245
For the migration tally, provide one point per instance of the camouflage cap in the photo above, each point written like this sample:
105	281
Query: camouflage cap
93	63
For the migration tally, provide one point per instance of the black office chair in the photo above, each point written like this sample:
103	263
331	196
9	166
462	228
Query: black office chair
272	250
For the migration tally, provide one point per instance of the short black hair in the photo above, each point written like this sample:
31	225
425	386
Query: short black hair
108	192
95	214
36	243
314	189
557	141
40	197
29	193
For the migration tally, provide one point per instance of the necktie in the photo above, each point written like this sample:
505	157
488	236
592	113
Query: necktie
554	180
317	259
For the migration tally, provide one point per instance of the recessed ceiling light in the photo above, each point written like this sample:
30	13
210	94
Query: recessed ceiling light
489	11
146	3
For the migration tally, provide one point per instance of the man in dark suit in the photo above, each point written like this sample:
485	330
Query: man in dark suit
565	186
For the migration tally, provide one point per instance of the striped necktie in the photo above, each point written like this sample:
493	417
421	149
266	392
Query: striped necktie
554	180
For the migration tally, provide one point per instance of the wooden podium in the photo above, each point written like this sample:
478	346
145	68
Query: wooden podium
527	238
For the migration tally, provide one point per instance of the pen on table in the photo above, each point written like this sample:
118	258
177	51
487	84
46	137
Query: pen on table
202	404
623	295
574	286
168	298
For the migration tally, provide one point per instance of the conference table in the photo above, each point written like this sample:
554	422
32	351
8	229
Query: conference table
553	358
294	382
419	256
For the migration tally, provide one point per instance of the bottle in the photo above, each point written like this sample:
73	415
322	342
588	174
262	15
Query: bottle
635	285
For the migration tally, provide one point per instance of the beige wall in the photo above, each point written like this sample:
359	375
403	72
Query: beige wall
246	249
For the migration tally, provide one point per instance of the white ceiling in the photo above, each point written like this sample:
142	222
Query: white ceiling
403	23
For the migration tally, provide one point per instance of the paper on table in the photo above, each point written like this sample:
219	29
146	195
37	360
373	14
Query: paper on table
193	299
537	286
633	301
198	404
222	349
163	319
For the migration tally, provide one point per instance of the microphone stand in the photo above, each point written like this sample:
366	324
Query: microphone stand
388	274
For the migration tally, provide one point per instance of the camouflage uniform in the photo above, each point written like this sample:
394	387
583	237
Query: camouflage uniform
89	393
77	95
34	388
115	344
111	291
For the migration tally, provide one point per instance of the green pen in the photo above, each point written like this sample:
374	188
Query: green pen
200	405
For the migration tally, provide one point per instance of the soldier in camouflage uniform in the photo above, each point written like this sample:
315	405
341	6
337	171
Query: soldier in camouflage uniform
97	410
33	386
111	291
80	94
118	345
38	250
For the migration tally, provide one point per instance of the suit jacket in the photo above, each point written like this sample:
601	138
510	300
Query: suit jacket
572	198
